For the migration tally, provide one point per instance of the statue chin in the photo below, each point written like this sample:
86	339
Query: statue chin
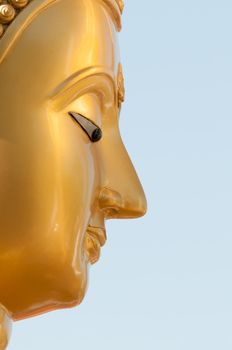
48	299
34	288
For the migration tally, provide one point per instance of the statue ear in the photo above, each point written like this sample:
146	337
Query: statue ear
90	128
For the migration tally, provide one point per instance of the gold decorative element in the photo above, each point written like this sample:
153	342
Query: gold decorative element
120	4
9	9
18	4
1	30
7	13
121	86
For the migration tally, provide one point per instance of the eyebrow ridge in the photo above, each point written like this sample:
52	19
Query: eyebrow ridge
96	80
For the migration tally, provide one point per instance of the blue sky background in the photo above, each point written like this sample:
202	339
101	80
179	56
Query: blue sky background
164	281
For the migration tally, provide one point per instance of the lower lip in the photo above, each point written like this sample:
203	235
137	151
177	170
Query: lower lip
93	248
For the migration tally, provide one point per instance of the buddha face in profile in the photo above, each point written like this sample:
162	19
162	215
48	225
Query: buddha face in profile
64	169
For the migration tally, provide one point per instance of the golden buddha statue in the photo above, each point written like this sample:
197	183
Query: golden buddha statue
64	169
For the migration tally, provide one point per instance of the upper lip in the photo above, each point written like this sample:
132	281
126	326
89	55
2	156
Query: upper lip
97	232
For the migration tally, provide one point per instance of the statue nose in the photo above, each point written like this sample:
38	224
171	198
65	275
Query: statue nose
121	194
116	205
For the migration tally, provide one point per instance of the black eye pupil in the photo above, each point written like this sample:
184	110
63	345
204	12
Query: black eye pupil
91	129
96	135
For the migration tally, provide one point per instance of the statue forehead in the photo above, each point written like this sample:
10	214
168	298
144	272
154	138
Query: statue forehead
65	38
69	18
10	9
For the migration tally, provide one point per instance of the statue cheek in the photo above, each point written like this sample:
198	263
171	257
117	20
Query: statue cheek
47	181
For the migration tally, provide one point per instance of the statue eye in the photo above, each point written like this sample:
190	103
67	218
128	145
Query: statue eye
92	130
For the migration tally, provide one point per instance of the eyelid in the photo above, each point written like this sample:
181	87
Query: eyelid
89	127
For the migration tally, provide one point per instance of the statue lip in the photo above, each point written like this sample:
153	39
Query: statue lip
98	233
95	239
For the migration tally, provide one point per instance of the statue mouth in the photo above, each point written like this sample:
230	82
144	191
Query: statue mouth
95	239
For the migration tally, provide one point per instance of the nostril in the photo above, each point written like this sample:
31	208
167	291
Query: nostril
110	200
114	206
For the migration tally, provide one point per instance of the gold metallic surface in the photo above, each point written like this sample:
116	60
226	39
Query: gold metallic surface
5	328
121	86
9	10
57	188
7	13
120	4
1	30
18	4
